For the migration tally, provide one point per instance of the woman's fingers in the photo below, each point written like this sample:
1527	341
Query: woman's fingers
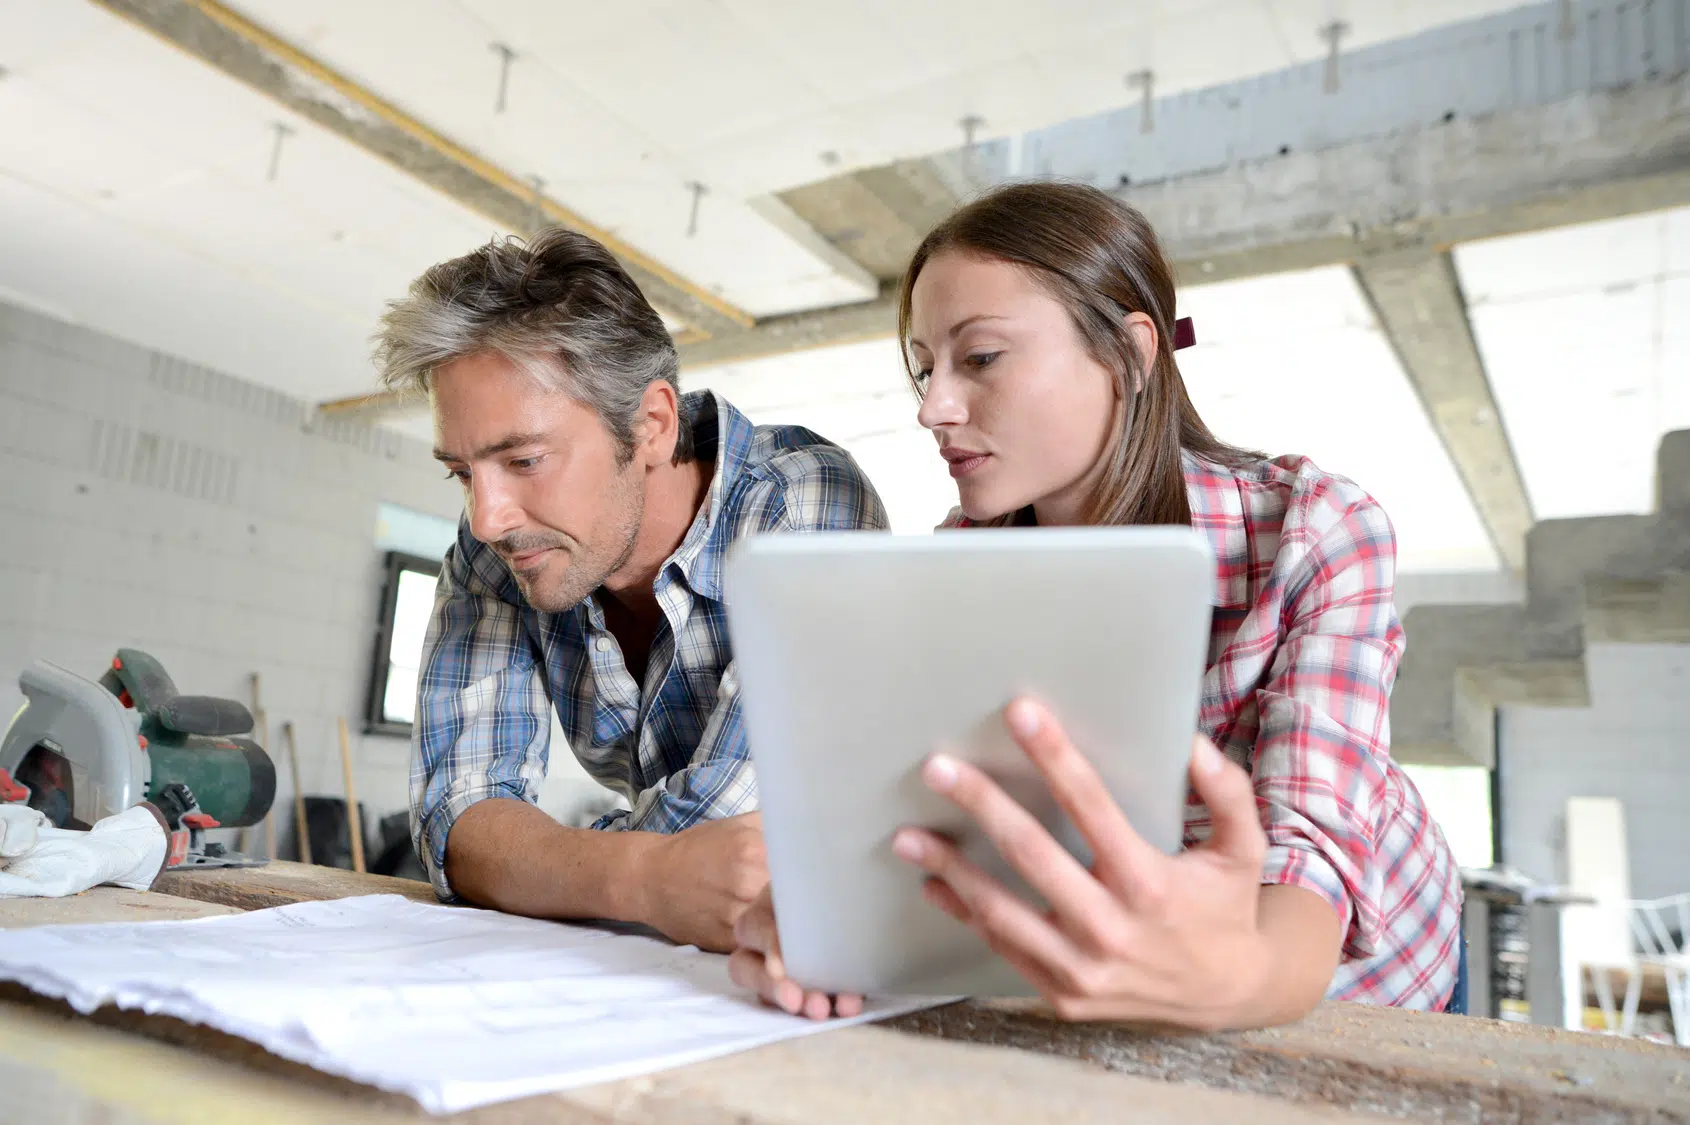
1236	823
1073	893
757	965
1120	853
986	905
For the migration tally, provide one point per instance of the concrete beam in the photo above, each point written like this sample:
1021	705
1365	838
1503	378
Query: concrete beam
1479	691
1596	155
246	52
877	215
1597	580
1632	612
1417	299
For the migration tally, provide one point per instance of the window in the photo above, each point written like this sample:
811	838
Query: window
407	599
1459	799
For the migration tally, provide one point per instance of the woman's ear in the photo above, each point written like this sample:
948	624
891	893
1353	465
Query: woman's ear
1142	331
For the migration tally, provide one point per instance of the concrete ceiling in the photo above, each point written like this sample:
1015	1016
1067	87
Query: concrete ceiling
1338	395
1586	336
136	197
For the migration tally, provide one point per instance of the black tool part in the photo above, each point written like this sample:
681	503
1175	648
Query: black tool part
261	781
174	801
204	714
52	789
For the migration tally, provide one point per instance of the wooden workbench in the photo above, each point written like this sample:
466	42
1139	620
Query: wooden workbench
973	1062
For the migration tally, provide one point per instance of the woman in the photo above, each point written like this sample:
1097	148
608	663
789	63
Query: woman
1038	326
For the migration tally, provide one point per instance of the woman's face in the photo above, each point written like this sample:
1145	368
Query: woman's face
1021	410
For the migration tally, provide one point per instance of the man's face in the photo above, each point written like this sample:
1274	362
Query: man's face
543	483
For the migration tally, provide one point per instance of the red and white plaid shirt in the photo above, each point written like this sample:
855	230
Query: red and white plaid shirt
1304	647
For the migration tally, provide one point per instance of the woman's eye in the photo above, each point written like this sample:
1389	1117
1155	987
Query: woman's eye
982	359
523	463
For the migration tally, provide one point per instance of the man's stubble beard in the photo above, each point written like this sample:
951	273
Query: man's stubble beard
587	570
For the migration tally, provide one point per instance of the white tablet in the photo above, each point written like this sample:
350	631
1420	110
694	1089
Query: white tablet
859	654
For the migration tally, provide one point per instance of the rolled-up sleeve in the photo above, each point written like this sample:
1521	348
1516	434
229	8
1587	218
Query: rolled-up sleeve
483	714
1320	765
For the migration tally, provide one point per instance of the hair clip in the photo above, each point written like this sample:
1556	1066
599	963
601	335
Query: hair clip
1185	334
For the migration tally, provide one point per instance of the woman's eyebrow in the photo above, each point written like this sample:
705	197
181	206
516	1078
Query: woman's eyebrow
956	328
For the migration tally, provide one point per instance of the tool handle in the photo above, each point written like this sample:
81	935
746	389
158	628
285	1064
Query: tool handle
299	824
354	822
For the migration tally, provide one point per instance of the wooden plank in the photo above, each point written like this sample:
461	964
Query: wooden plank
60	1070
1346	1057
1413	1064
104	904
281	882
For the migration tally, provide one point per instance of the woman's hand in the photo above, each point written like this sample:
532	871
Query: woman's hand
1139	936
757	965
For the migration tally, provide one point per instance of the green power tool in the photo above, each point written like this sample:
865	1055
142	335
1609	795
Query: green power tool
80	750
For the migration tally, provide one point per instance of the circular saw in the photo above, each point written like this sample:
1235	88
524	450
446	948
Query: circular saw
81	750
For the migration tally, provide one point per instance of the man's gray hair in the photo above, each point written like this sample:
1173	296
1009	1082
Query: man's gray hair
560	306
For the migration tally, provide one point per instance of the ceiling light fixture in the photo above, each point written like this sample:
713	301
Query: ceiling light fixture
283	131
506	57
970	126
698	191
1333	33
538	222
1144	81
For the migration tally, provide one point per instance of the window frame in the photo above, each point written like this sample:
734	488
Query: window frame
394	563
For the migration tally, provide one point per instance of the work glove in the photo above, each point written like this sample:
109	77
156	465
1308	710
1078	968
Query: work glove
19	827
40	861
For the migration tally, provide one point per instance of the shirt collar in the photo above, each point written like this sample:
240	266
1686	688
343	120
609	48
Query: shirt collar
721	432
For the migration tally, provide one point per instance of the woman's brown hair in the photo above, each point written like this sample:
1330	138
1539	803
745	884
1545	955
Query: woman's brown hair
1101	259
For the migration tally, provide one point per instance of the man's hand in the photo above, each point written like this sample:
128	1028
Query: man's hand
757	965
695	884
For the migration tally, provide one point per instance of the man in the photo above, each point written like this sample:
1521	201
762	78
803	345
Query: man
587	576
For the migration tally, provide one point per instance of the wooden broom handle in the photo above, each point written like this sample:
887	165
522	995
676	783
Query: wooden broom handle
352	819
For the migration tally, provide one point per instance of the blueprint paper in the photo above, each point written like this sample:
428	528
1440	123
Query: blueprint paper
452	1006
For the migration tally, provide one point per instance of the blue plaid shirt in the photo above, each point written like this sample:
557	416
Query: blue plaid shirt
493	666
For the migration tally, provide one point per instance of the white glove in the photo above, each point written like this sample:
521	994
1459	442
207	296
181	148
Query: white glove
19	827
127	849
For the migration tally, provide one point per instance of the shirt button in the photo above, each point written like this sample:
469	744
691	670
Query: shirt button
603	644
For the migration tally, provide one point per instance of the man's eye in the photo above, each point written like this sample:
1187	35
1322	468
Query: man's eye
524	462
459	475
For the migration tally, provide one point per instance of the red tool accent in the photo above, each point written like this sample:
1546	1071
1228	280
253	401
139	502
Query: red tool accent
200	820
117	663
142	739
178	848
125	700
11	790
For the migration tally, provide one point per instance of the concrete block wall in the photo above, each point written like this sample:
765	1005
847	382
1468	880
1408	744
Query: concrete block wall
1632	743
223	527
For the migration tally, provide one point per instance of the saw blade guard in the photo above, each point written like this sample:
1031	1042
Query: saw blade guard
75	734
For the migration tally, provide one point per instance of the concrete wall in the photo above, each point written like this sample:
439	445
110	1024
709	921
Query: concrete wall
1634	744
1457	587
145	501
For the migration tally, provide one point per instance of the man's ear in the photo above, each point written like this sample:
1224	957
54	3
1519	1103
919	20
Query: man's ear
659	424
1141	330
